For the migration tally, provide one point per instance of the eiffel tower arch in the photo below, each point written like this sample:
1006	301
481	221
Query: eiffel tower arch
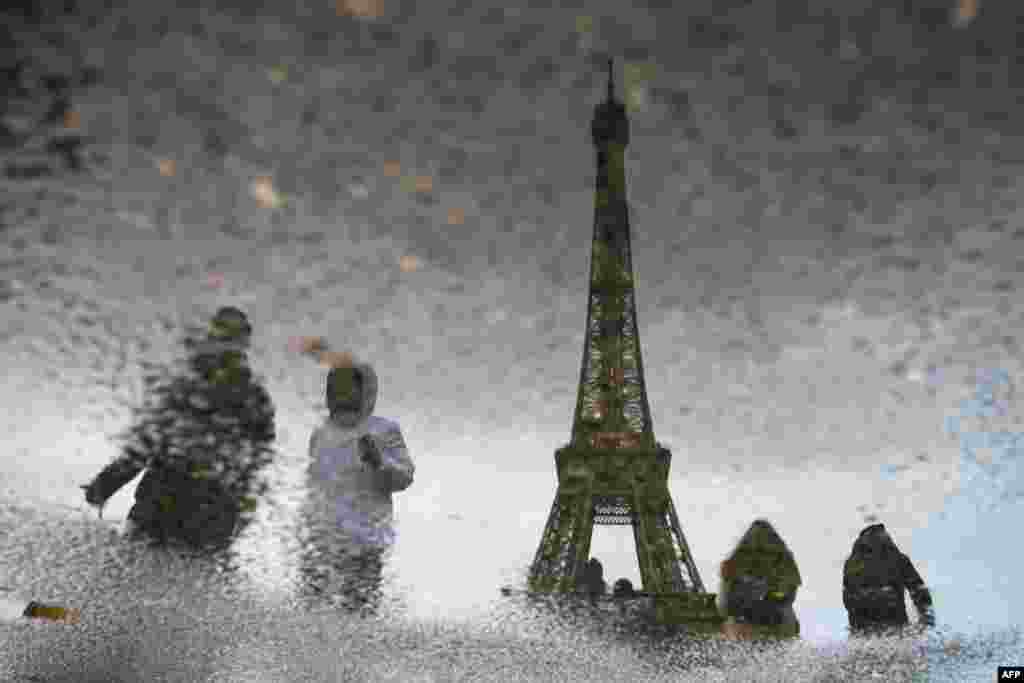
623	487
613	471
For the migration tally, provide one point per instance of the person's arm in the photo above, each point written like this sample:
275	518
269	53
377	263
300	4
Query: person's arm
848	569
919	593
728	570
311	463
145	440
115	475
787	581
261	412
389	456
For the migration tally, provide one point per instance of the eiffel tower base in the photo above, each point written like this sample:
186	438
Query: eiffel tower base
629	487
691	613
697	612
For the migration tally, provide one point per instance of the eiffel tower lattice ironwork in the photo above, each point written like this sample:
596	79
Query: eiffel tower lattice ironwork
613	471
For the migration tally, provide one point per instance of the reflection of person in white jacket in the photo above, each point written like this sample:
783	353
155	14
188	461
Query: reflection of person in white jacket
357	460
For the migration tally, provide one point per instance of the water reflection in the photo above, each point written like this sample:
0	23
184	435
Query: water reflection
202	437
760	580
336	570
152	613
875	577
174	615
357	460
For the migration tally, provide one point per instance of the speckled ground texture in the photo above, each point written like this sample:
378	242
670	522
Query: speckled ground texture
828	240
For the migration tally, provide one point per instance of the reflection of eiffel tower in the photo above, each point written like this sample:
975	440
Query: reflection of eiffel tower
613	471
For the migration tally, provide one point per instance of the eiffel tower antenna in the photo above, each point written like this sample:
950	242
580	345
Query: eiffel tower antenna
613	471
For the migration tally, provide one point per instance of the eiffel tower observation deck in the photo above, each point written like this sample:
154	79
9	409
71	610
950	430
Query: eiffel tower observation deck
613	471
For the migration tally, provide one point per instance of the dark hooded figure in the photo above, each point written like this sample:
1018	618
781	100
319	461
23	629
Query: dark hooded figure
357	461
874	578
202	437
623	588
760	579
592	580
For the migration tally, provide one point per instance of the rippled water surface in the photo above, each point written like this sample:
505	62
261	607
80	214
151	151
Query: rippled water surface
157	615
804	362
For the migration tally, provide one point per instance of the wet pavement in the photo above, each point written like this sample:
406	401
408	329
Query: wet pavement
166	614
800	376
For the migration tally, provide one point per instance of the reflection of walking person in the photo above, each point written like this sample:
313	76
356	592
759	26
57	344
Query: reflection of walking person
591	581
874	578
202	437
357	460
760	580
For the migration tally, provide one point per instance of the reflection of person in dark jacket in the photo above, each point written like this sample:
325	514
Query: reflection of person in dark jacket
202	437
591	581
874	578
623	588
760	579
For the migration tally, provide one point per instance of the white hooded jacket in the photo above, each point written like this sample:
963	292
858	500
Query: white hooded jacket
356	495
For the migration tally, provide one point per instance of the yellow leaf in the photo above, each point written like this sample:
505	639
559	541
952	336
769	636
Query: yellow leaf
309	344
336	359
967	10
636	98
584	24
408	263
264	193
366	9
278	74
636	73
424	183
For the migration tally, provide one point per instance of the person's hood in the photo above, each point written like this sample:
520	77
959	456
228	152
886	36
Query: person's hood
875	558
761	536
874	544
368	377
762	547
